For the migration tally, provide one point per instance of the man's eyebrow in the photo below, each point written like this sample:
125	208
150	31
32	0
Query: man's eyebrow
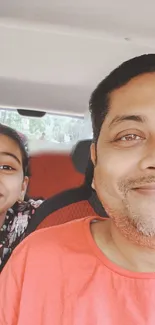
4	153
121	118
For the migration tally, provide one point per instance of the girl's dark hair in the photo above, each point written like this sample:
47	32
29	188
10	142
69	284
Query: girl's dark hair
12	134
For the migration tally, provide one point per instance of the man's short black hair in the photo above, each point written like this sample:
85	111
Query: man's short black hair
99	101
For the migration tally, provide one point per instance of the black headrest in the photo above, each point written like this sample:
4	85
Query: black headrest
81	154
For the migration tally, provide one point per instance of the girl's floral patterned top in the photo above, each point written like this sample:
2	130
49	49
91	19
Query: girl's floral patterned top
14	227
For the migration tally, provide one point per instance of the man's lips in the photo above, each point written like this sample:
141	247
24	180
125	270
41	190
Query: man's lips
150	186
146	189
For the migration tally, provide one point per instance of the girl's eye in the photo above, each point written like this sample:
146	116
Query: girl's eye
6	167
130	137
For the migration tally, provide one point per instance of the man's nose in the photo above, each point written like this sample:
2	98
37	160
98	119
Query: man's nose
148	160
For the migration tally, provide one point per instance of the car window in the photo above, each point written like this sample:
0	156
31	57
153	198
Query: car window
51	127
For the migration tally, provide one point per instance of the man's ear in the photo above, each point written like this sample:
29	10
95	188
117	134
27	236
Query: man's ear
93	153
93	184
24	186
93	159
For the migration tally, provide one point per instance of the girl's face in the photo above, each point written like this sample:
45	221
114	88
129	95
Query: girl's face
13	184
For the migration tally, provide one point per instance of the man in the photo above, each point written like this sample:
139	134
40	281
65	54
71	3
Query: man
96	272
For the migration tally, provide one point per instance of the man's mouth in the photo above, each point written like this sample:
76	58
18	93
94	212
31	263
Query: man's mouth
147	189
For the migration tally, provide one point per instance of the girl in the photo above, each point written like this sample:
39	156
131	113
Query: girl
16	210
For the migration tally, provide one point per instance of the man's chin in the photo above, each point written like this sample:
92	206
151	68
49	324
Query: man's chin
145	229
143	220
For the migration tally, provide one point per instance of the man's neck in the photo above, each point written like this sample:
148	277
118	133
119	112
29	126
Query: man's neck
2	218
120	250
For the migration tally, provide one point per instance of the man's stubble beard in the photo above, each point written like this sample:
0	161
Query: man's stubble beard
141	217
127	214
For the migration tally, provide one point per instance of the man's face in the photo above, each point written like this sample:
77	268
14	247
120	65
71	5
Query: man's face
124	175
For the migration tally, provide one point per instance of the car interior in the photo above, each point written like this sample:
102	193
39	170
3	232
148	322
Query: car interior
53	56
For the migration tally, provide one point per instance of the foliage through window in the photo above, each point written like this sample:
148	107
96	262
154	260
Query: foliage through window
53	128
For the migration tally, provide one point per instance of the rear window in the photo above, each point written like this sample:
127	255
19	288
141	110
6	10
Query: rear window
52	128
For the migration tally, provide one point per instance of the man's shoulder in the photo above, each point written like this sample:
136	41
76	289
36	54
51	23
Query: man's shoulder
55	238
61	232
52	252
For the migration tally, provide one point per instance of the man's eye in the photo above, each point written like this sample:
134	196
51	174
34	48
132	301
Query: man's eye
130	137
6	167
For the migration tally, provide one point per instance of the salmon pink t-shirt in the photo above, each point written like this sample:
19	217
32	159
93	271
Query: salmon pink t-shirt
58	276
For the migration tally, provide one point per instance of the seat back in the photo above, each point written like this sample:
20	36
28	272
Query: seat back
52	173
63	207
69	205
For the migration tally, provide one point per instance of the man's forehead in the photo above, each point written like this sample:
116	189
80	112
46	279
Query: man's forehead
136	89
122	118
137	97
